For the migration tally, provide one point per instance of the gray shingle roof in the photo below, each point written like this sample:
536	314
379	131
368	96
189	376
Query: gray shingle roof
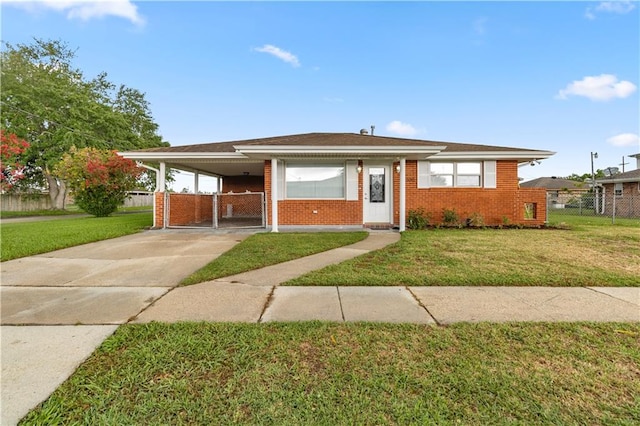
333	139
555	183
633	174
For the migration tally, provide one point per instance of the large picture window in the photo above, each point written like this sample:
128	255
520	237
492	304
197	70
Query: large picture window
449	174
315	181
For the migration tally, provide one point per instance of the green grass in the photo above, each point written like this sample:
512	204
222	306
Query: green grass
29	238
71	209
330	374
572	220
584	256
35	213
264	249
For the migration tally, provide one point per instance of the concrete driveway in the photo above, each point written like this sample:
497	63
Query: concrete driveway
56	308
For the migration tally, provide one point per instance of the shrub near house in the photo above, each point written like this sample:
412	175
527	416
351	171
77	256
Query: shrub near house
99	179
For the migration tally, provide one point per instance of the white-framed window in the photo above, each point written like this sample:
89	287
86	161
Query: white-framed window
617	189
315	180
448	174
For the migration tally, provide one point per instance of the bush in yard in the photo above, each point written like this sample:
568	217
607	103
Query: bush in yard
475	220
450	217
99	179
418	219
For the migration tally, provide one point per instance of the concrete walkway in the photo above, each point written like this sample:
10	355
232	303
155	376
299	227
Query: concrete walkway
56	308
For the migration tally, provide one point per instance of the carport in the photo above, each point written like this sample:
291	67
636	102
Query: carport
238	202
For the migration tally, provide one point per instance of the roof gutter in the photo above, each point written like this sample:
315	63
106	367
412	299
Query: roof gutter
523	156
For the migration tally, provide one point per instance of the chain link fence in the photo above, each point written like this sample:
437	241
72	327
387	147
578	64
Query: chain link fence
230	210
610	205
241	210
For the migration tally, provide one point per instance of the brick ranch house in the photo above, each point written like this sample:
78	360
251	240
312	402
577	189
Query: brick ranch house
349	180
625	187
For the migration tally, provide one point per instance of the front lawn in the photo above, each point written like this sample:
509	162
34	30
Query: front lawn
584	256
264	249
29	238
321	373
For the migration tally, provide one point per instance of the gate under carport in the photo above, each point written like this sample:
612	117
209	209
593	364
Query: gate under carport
217	211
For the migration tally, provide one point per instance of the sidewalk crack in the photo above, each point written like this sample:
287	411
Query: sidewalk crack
340	302
422	305
267	303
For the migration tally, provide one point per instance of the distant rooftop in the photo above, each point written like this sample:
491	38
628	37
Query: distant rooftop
555	183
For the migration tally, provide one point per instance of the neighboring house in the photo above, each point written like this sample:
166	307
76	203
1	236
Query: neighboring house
624	189
349	180
559	191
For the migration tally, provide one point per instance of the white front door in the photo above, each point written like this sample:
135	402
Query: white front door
377	193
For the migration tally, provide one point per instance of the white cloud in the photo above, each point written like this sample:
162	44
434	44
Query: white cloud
479	26
602	87
279	53
84	9
618	7
624	139
403	129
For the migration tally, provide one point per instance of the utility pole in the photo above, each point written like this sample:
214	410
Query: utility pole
623	164
593	175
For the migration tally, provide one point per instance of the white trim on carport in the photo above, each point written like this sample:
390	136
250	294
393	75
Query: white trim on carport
403	195
274	195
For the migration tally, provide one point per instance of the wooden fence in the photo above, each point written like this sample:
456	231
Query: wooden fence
32	202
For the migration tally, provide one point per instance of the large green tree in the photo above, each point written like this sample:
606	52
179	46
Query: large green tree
49	103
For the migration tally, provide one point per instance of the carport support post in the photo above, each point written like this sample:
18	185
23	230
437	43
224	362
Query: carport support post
161	185
274	195
403	194
161	182
196	179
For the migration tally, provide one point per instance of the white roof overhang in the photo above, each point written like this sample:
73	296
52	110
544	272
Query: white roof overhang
182	156
266	152
618	180
213	163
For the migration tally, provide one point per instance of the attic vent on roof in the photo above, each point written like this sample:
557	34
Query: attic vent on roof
364	132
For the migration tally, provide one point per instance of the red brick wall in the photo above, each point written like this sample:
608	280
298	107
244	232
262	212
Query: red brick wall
159	207
190	209
243	184
628	205
506	202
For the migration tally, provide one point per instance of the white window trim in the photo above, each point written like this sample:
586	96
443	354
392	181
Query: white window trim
615	189
345	180
486	171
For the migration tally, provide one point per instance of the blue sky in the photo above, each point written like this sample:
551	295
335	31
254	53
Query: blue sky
559	76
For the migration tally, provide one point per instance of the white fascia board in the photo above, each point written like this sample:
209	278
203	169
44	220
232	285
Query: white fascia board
170	156
620	180
493	155
286	150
